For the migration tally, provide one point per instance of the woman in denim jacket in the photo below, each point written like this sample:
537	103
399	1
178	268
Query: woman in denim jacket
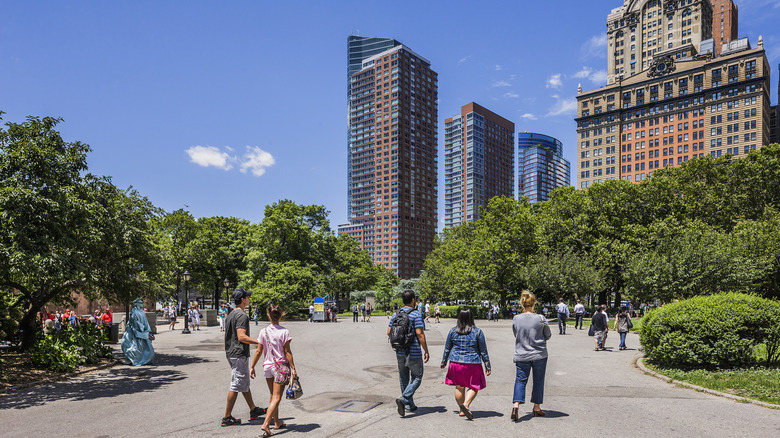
465	349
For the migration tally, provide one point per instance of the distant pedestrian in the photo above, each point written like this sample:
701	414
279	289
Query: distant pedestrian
369	311
237	342
427	311
621	325
600	327
545	312
579	313
311	312
563	312
256	314
274	344
222	315
437	312
496	312
355	312
531	335
334	310
410	358
363	310
466	349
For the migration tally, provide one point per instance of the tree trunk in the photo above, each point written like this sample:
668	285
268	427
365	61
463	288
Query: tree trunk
29	327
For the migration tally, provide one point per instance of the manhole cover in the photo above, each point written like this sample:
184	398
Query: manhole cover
357	406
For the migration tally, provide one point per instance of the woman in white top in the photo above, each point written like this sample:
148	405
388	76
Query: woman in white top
274	345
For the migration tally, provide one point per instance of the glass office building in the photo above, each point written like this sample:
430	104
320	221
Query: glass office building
540	166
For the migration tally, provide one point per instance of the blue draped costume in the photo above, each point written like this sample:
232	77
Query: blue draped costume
136	345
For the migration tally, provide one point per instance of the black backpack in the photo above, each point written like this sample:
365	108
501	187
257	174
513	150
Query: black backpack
401	333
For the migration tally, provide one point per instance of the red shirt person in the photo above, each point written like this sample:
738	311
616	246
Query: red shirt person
106	317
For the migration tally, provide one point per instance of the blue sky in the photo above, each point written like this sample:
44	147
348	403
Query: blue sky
224	107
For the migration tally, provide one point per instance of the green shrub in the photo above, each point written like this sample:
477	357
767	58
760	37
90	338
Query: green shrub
715	331
70	347
479	312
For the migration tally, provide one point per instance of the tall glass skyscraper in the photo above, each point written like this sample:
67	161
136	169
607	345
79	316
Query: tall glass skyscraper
358	49
540	166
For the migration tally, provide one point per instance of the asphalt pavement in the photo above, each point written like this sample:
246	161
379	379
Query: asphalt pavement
348	373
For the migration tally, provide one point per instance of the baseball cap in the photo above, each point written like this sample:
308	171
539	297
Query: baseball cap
239	294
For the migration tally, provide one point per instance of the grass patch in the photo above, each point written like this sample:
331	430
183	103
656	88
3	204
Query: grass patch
759	383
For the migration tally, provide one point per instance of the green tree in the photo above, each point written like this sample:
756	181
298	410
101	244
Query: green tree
217	253
351	268
66	231
176	230
563	275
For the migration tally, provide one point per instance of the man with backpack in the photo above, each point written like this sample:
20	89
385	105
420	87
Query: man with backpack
407	337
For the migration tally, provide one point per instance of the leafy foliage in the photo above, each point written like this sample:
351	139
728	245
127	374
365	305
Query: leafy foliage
70	347
712	331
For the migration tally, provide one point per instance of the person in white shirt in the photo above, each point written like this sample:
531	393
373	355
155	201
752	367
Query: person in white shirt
427	311
311	312
579	312
563	313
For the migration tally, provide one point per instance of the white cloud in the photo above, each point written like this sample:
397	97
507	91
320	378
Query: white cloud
554	81
256	160
511	95
498	67
501	84
528	116
563	107
595	47
512	77
464	59
584	73
599	77
211	156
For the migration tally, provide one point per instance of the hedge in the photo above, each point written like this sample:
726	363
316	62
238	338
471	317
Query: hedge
715	331
479	312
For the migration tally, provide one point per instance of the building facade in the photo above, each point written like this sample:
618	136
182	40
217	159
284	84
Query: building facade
675	111
358	49
393	159
642	30
540	166
725	23
478	161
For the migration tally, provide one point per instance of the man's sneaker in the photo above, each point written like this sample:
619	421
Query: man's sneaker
401	408
230	421
256	413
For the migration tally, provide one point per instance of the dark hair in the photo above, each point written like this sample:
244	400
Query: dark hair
623	311
275	312
408	296
465	322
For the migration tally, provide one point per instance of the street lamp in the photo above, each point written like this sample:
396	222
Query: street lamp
186	275
226	282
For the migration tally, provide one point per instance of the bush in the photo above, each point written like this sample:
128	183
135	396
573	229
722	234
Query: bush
70	347
715	331
479	312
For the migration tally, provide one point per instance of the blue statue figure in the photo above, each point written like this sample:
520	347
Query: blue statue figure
136	342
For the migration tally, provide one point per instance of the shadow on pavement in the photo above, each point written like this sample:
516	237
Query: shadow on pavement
423	410
550	414
109	383
485	414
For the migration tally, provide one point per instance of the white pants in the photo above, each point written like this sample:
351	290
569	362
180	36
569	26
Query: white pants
221	323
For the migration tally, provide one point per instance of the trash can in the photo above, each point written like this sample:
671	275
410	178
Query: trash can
113	333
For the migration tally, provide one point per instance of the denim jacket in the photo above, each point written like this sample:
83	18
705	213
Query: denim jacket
470	348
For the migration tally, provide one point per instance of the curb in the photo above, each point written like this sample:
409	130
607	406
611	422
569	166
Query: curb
15	388
640	363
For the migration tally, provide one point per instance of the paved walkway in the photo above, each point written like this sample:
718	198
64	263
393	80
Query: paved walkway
587	393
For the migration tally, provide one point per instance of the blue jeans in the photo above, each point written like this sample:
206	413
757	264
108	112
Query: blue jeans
561	323
410	374
523	369
623	339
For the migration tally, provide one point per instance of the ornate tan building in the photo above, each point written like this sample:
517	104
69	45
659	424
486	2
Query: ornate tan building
642	30
675	111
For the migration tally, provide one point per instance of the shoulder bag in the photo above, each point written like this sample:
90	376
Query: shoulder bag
295	391
281	370
630	324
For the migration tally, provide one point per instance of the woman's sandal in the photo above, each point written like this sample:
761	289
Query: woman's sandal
281	426
515	413
267	433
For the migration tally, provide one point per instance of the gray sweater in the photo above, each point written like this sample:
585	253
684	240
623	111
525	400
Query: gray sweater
531	335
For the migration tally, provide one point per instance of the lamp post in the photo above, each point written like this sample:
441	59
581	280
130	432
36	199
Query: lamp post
186	275
226	282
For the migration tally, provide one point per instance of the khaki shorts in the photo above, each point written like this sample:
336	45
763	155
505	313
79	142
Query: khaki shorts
239	376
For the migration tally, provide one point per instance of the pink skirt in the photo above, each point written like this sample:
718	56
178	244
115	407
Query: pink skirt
468	375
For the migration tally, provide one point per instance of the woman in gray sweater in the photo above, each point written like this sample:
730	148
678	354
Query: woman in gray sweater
531	335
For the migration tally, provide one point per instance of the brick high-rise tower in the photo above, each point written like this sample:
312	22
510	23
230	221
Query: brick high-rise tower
393	159
478	163
725	23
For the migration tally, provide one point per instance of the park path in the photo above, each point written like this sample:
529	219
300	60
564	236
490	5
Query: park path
348	364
